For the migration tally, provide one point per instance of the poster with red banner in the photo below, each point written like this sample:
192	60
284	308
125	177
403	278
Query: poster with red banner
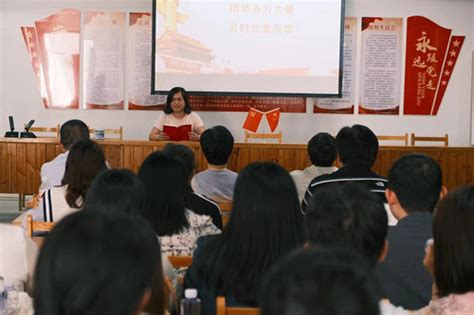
139	64
59	40
380	66
345	104
430	59
103	46
243	103
31	41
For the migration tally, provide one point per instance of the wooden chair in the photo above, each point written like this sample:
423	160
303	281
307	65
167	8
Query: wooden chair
48	130
115	133
225	206
180	261
222	309
403	138
32	226
264	136
415	138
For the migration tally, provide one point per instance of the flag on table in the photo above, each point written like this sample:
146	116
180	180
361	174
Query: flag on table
253	119
273	117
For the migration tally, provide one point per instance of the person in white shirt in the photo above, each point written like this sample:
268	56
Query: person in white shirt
52	172
177	113
322	154
217	182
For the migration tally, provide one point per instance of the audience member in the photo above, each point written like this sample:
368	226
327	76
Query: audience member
52	172
17	254
265	224
322	154
121	191
414	188
197	203
116	190
451	257
96	263
217	182
84	162
177	227
320	280
357	147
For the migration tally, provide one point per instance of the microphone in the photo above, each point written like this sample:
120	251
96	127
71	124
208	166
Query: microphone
27	133
12	133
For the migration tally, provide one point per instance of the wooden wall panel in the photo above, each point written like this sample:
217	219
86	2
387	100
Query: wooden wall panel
21	160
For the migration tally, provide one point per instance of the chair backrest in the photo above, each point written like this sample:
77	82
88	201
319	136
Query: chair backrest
32	226
52	132
403	138
180	261
222	309
225	206
443	139
115	133
264	136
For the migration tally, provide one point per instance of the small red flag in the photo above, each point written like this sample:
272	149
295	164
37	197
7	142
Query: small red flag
253	119
273	117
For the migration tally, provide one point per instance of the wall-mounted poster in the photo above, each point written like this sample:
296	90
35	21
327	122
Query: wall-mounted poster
31	41
58	39
345	104
380	65
139	64
104	60
430	59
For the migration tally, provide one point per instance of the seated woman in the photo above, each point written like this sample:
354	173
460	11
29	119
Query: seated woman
85	161
451	257
177	227
177	113
121	191
89	266
265	224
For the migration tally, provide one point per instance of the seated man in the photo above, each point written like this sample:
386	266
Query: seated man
414	188
357	147
195	202
322	154
320	280
349	216
217	182
52	172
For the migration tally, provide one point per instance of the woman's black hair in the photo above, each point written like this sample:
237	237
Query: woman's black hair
264	225
169	99
165	188
453	234
84	162
116	190
96	263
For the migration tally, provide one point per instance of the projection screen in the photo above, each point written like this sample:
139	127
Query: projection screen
248	47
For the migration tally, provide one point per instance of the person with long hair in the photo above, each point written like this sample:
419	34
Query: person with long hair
265	224
450	258
177	113
84	162
177	227
89	266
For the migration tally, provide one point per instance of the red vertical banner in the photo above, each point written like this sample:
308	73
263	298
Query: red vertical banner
273	117
452	56
31	41
427	44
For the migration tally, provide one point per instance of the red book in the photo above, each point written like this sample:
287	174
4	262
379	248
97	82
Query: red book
177	133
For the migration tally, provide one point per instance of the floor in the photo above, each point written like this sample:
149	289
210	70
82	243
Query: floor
8	207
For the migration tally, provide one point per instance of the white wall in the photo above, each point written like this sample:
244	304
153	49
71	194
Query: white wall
19	95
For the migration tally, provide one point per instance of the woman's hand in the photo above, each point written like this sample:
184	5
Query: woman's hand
162	136
194	136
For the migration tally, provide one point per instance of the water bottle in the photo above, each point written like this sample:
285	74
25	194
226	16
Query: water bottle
190	305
